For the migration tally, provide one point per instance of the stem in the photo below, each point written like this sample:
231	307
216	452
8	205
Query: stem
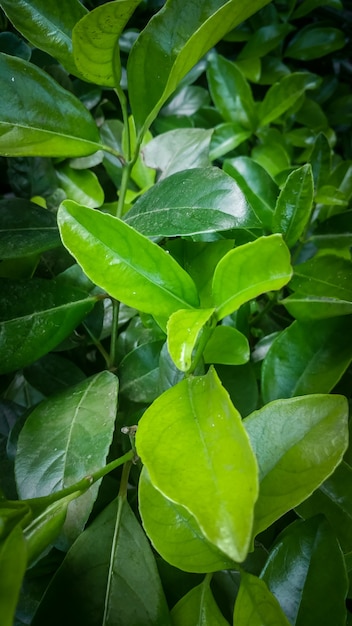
114	332
99	346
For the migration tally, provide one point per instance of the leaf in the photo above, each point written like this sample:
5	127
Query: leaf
53	373
309	593
95	41
256	606
157	63
151	281
313	42
72	433
197	454
13	561
82	186
227	346
46	27
282	95
54	122
104	558
248	271
175	533
25	229
139	372
226	137
298	443
320	159
198	608
264	40
294	205
35	316
335	232
183	331
307	357
198	200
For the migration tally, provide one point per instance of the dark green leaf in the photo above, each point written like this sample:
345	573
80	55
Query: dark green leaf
198	608
53	373
256	606
313	42
227	137
12	44
309	5
13	561
335	232
294	205
264	40
139	373
82	186
284	94
25	229
320	160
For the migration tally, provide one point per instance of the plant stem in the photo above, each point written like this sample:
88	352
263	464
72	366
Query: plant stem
99	346
114	332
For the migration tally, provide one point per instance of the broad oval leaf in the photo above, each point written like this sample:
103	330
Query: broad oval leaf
183	330
131	268
95	41
256	606
54	122
228	346
198	607
175	533
25	229
314	42
13	563
72	433
294	205
199	200
197	453
282	95
248	271
82	186
298	442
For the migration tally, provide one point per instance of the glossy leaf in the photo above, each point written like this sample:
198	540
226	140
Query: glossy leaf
320	159
104	558
309	5
175	533
183	330
95	41
307	357
264	40
157	63
35	316
283	95
314	42
198	608
256	606
308	592
150	281
53	373
298	443
294	205
227	346
25	229
47	26
73	432
178	150
13	562
82	186
54	122
139	372
335	232
197	454
201	261
226	137
248	271
191	202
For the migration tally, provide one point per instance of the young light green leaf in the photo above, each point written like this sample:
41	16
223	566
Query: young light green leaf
175	533
298	443
183	331
256	606
53	123
248	271
131	268
197	453
47	26
198	608
282	95
198	200
294	205
104	557
13	562
158	62
95	41
82	186
307	357
228	346
73	432
308	593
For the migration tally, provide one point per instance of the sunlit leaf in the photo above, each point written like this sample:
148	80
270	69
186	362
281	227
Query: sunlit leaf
198	607
183	330
256	606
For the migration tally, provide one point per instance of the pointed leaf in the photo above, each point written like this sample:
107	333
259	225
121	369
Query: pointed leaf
298	443
53	123
198	608
248	271
183	330
82	186
25	228
264	40
131	268
282	95
320	159
228	346
226	137
197	453
256	606
294	205
13	562
314	42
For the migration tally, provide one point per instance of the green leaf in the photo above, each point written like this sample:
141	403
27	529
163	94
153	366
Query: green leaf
35	316
53	123
139	372
149	280
158	62
248	271
197	454
47	26
53	373
298	443
294	205
320	159
227	137
308	592
113	558
25	229
313	42
198	608
264	40
231	92
183	330
178	150
175	533
72	433
335	232
256	606
82	186
13	562
199	200
227	346
309	5
307	357
284	94
95	41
